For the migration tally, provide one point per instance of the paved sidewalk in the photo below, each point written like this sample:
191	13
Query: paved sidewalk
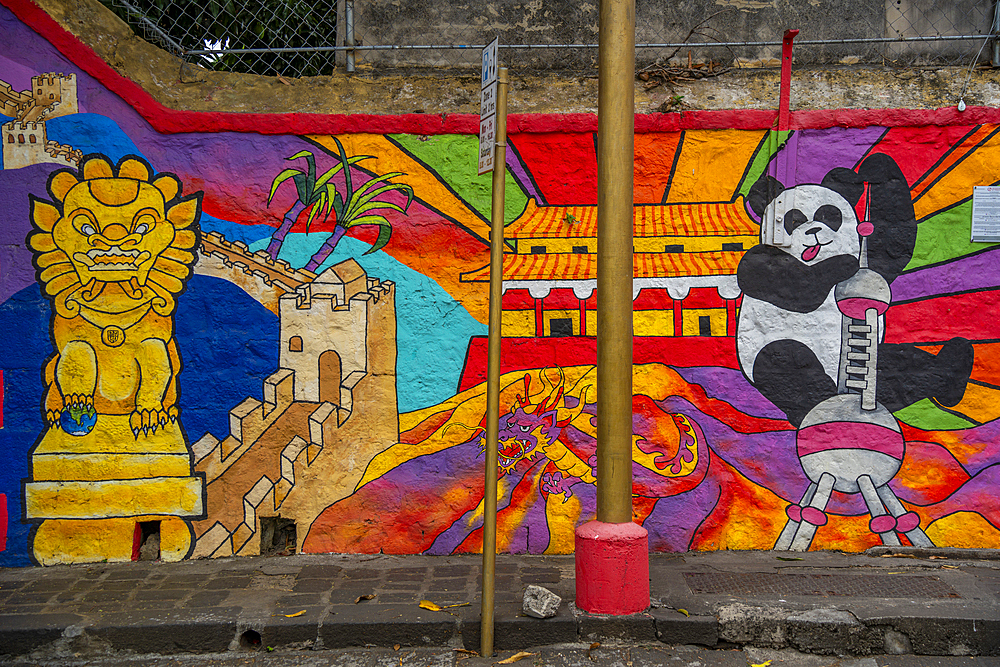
932	602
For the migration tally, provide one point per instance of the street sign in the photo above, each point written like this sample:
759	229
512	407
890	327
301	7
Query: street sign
488	107
490	62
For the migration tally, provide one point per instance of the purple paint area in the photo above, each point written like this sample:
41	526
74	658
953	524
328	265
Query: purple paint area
984	444
816	152
976	272
976	495
235	175
34	56
674	521
520	172
767	459
14	73
16	270
730	385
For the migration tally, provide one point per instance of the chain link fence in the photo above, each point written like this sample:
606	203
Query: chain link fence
308	38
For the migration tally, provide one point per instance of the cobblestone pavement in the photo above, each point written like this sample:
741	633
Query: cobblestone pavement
822	602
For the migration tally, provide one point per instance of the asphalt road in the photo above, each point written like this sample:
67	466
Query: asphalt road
573	655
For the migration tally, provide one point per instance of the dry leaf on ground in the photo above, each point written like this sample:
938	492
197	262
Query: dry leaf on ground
521	655
433	606
370	596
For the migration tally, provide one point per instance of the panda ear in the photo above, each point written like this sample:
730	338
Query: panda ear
845	182
763	193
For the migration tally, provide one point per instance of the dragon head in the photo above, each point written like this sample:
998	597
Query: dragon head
531	424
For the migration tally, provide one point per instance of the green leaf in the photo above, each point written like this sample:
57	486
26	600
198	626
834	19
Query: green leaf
383	238
361	198
376	205
312	216
300	187
333	170
279	179
366	220
338	205
347	167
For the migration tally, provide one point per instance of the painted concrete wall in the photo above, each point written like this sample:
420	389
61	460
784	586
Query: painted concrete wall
220	326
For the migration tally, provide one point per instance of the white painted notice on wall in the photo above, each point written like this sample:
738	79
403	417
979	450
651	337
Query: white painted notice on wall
488	108
986	214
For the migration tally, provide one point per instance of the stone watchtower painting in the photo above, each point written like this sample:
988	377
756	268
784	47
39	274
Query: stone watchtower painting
112	471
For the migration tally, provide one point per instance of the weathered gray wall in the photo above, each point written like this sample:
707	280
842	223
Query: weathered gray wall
196	89
547	22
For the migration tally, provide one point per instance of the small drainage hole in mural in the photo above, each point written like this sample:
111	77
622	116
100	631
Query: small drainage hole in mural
146	544
250	640
277	536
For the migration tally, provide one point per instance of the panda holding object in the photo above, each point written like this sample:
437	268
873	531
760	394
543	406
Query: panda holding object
803	324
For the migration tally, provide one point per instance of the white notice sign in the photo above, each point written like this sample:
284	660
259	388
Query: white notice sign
986	214
487	143
488	101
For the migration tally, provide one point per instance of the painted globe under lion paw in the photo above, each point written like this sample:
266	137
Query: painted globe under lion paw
78	420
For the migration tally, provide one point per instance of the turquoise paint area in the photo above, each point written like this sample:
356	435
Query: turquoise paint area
432	329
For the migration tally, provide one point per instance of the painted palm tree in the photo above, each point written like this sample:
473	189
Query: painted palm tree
357	207
318	194
354	208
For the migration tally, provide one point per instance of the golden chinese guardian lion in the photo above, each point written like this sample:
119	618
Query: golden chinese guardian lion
112	250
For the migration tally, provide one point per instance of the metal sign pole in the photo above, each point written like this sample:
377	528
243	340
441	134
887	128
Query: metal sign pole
493	369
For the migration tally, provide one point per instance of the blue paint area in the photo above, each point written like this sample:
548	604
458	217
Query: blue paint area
24	327
430	324
3	121
228	344
248	234
91	133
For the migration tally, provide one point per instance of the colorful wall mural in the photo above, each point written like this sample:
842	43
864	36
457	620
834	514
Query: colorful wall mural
240	335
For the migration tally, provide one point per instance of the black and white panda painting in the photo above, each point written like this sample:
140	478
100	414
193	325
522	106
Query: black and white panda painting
789	330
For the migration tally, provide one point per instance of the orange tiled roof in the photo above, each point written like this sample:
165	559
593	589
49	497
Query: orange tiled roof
567	266
711	219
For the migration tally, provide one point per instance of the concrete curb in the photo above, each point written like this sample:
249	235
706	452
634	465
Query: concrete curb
934	552
829	631
824	631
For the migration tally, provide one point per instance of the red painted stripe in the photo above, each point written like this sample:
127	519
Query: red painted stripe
850	435
172	121
971	315
518	354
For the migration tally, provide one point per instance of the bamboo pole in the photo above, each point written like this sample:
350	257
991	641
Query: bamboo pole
615	159
493	369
